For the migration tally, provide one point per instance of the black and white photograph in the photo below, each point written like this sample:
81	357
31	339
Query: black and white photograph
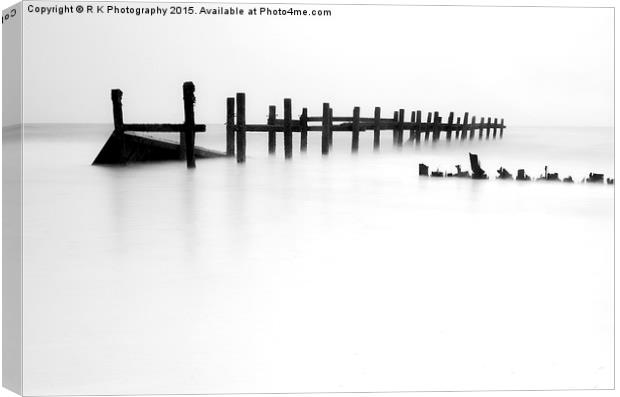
307	198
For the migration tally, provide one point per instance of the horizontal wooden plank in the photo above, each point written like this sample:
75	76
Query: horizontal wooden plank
349	119
364	126
161	127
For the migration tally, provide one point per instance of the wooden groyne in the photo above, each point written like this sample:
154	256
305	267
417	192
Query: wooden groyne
433	128
123	146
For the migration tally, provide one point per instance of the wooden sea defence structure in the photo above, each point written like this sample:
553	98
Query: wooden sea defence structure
128	143
503	173
433	128
124	145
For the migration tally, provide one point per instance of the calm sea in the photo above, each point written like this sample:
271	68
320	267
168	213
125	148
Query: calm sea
339	273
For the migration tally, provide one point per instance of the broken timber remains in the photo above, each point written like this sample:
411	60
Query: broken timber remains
122	147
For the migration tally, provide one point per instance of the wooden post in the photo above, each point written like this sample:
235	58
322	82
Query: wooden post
464	126
494	128
190	123
119	124
427	127
395	128
303	126
418	125
331	127
230	126
481	128
377	130
458	127
488	127
288	131
355	130
412	130
472	129
449	128
501	129
271	133
436	126
325	130
240	127
401	128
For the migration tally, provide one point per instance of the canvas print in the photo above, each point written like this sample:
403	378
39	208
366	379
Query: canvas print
289	198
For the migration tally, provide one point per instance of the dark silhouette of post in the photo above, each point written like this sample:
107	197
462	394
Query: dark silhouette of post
501	129
457	127
494	128
288	130
331	127
271	132
401	127
190	123
488	127
464	126
472	130
481	128
355	130
119	124
377	129
395	128
449	127
436	126
427	127
303	128
477	171
412	129
240	127
325	129
418	125
230	126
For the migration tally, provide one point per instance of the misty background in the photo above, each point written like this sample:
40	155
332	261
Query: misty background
531	66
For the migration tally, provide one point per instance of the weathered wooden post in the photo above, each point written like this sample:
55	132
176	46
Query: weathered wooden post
190	123
401	127
271	132
481	128
395	128
418	125
464	126
449	127
427	127
355	130
458	127
412	130
436	126
119	124
288	130
472	130
331	127
325	130
488	127
240	127
230	126
303	128
494	128
376	143
501	129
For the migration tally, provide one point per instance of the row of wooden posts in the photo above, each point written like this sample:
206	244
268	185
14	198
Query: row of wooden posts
236	130
237	127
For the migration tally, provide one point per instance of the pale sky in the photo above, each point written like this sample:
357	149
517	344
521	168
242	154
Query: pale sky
531	66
